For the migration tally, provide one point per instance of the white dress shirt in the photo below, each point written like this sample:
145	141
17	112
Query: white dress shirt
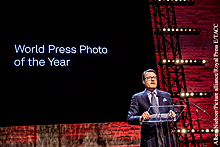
150	96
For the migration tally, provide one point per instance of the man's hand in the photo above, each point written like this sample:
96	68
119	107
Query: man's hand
145	116
173	114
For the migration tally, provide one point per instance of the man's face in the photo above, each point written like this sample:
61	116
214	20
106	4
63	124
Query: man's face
150	80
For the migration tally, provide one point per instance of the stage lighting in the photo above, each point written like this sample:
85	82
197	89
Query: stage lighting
197	131
164	61
183	130
216	130
182	94
173	2
191	94
183	31
183	62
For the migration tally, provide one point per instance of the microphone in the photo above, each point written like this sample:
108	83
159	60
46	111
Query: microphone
186	102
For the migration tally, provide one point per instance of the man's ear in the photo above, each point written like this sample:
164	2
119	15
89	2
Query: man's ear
143	82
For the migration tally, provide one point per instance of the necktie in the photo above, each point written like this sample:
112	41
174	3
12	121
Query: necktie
154	103
159	127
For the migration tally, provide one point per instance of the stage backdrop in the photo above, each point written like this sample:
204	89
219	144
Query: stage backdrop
71	62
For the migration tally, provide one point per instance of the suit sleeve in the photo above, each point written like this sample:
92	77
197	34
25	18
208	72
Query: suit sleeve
133	113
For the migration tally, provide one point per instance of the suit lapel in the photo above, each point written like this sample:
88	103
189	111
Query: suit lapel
145	98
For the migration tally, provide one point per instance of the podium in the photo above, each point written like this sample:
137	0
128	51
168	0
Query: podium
162	119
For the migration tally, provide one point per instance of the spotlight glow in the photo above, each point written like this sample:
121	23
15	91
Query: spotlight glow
183	131
182	94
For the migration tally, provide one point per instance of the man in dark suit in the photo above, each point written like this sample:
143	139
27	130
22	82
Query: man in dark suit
152	134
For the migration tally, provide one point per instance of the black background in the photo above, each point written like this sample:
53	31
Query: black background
93	88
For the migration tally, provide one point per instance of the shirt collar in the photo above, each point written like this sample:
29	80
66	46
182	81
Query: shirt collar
149	92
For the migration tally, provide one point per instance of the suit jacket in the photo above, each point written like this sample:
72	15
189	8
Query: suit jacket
141	103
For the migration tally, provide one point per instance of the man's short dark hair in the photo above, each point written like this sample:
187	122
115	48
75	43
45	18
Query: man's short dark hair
146	71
